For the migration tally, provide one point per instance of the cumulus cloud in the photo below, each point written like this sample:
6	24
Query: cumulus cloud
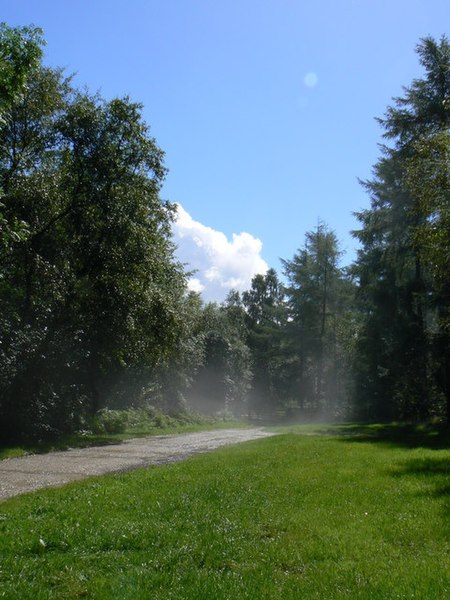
220	264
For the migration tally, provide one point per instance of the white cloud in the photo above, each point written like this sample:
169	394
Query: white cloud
195	285
219	264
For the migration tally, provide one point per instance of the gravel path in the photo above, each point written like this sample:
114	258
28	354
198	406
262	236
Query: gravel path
28	473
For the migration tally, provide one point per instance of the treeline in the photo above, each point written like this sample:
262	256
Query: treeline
91	295
95	310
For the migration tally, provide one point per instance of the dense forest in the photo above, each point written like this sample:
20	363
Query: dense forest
94	306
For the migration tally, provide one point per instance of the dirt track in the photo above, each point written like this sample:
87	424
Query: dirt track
28	473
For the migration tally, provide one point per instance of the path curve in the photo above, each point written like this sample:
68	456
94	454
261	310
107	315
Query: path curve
29	473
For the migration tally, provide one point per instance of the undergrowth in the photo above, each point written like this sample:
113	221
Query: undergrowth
115	426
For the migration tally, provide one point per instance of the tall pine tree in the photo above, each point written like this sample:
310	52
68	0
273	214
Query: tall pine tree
317	298
395	366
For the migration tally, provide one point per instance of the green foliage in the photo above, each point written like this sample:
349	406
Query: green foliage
94	309
319	297
110	421
20	53
402	358
265	320
220	383
90	295
142	420
428	180
293	516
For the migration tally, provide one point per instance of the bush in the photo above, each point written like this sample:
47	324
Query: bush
110	421
141	420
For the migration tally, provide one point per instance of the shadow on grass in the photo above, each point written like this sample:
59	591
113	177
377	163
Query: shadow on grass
435	437
432	470
435	474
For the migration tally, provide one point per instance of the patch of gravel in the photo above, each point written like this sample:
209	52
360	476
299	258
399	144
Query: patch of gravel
29	473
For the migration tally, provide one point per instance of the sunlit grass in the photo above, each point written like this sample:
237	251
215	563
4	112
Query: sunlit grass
293	516
12	452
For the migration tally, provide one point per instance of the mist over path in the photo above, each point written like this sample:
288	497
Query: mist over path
29	473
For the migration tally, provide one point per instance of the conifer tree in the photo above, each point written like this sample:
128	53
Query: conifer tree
394	367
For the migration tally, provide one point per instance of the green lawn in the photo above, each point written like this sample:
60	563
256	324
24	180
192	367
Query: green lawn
363	514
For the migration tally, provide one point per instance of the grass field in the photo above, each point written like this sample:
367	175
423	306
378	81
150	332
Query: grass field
355	512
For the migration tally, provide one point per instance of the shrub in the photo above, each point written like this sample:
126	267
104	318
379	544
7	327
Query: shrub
110	421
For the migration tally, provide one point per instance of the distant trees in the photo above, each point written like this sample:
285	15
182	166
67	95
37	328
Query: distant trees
265	319
373	339
319	297
280	350
221	382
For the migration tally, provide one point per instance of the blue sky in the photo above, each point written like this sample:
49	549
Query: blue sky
265	108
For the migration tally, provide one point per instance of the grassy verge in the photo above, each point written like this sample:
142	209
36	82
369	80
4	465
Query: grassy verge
132	423
293	516
427	435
